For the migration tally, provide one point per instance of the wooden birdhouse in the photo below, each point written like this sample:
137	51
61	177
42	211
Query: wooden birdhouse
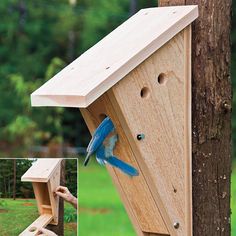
140	76
45	177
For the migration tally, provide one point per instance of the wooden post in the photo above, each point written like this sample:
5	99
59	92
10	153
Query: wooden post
211	116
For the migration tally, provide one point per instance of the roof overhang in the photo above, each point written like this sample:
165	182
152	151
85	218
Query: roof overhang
107	62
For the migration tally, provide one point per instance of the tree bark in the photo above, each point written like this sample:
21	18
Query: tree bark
59	229
211	116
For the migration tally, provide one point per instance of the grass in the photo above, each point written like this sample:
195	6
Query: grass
16	215
101	211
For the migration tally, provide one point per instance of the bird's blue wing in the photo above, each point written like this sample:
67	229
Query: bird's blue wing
102	131
100	134
124	167
110	144
100	155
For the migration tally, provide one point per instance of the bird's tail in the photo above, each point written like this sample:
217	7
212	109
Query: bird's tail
87	159
126	168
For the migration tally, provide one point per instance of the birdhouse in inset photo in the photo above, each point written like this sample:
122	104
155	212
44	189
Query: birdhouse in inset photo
140	76
45	177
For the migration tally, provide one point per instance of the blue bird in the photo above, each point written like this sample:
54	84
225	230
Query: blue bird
102	144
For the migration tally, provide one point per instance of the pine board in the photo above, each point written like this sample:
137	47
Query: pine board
106	63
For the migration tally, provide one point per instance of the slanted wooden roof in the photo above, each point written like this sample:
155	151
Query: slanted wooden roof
41	170
107	62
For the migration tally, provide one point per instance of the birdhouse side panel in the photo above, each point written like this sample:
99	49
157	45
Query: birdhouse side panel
53	183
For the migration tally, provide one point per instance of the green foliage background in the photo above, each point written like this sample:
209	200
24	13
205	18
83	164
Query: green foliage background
38	38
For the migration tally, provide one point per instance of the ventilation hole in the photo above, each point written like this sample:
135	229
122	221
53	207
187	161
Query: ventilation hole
102	116
32	229
162	79
145	92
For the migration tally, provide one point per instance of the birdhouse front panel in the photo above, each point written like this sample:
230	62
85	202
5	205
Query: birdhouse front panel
135	193
160	94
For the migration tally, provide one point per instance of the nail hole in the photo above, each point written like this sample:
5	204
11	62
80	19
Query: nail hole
146	13
107	67
162	78
102	116
32	229
175	190
145	92
72	68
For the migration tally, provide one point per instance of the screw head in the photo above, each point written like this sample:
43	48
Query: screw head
140	136
176	225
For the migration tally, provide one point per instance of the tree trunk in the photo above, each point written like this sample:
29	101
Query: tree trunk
59	229
14	179
211	116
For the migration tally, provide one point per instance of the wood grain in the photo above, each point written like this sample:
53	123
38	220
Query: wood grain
52	184
107	62
134	192
41	170
164	116
211	112
45	177
33	229
42	196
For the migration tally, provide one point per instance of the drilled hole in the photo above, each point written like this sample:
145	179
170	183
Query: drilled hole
32	229
162	78
102	116
145	92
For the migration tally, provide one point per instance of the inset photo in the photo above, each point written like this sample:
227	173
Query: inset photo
39	196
